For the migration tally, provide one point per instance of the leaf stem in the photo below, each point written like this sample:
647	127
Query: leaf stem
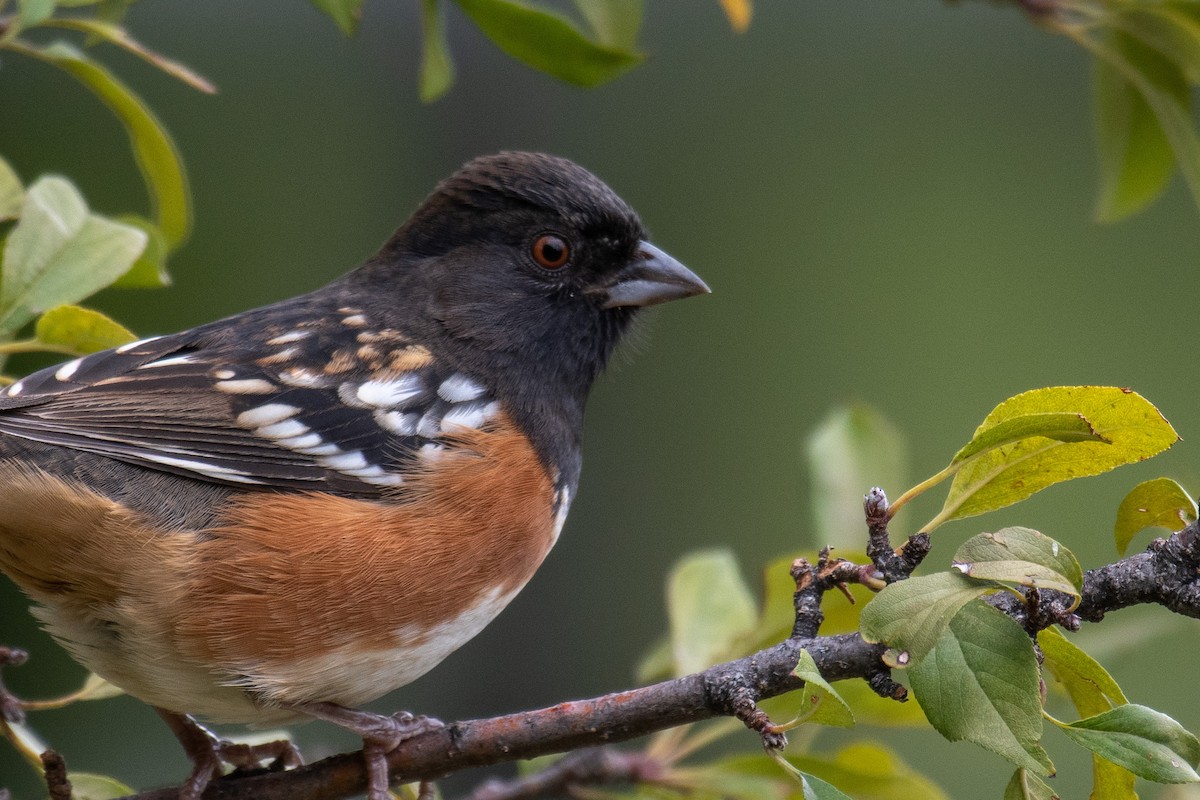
35	346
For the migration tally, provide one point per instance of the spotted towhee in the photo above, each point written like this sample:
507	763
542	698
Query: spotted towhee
292	511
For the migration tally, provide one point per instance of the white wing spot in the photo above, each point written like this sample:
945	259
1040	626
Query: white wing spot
469	416
430	452
223	374
301	443
459	388
562	504
288	338
354	321
246	386
388	394
267	414
386	479
345	462
397	423
168	362
15	389
203	467
318	450
287	429
125	348
65	372
302	378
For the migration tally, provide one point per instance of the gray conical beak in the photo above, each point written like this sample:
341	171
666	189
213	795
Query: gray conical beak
652	277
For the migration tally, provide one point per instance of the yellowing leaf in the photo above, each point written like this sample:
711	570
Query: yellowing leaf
710	610
86	786
1092	691
80	330
1132	428
12	193
870	770
739	13
1157	503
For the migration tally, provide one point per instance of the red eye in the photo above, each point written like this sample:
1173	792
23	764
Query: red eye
551	251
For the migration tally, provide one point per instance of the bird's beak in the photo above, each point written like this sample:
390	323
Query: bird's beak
652	277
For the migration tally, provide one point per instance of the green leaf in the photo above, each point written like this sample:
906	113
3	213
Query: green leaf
60	253
1092	691
437	70
1022	556
709	608
80	330
1157	503
1144	741
1162	85
1027	786
1172	28
1133	428
86	786
12	193
153	149
816	789
547	42
115	34
870	771
150	270
980	683
346	13
615	22
34	12
826	705
1136	160
853	449
913	615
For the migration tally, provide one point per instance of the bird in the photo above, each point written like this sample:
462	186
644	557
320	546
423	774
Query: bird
289	512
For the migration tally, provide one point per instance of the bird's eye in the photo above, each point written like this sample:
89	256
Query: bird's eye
551	251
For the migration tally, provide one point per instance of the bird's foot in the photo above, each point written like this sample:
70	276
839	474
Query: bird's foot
380	734
209	753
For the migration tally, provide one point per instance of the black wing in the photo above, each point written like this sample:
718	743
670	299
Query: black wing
269	398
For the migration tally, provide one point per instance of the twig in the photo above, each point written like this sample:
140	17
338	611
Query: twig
55	770
893	565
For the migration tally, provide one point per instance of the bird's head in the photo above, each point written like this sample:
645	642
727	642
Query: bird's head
529	260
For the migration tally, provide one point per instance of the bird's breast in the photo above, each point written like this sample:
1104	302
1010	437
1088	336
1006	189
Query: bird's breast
315	597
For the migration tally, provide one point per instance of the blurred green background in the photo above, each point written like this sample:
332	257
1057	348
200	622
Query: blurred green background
891	201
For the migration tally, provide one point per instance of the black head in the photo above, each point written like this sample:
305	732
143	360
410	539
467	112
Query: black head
526	269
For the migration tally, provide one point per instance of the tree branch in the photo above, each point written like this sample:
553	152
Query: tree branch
1167	574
